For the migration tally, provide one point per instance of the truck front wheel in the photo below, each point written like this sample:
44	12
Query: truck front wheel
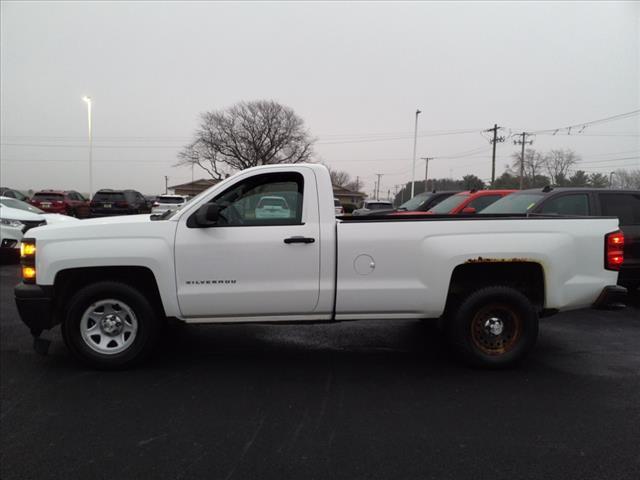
110	325
494	327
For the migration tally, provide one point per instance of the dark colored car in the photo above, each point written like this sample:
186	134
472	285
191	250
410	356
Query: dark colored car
468	202
11	193
107	202
65	202
624	204
420	203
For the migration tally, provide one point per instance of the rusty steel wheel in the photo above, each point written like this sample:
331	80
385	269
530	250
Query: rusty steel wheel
493	327
496	329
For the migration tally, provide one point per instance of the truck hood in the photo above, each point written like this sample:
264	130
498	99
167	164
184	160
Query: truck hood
125	226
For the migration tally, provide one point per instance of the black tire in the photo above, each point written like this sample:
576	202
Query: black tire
147	320
473	327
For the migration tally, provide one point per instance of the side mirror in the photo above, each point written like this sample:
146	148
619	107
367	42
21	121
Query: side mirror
207	215
468	210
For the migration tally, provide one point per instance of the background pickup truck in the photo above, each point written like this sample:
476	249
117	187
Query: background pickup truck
112	282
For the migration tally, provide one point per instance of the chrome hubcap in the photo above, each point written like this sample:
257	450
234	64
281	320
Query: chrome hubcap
494	326
108	326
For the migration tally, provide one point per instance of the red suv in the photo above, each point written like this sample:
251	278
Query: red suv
67	202
471	201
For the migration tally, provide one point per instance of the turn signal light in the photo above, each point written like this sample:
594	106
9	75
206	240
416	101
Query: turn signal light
614	250
28	274
27	249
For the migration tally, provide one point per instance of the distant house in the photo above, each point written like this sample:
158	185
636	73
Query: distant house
348	196
193	188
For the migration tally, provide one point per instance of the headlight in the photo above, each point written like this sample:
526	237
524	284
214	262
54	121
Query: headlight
11	223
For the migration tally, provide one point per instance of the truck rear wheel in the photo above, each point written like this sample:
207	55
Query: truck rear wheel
110	325
494	327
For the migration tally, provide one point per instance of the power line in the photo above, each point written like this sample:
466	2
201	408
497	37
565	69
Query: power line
581	126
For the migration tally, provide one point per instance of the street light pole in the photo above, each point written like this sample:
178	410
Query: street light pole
415	141
426	171
89	121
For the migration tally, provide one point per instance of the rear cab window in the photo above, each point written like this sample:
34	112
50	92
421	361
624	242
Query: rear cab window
170	200
108	197
49	197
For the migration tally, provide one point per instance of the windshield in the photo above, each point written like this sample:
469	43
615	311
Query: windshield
515	203
449	204
19	205
415	202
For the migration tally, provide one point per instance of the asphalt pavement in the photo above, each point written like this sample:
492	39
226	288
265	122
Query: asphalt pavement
360	400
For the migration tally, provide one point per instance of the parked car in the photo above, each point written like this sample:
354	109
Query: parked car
18	217
163	203
372	206
107	202
66	202
420	203
624	204
214	261
272	207
468	202
339	209
11	193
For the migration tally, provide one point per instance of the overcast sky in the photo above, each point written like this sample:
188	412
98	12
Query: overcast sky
355	72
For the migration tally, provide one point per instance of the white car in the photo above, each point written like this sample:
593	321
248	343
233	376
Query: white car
272	207
370	206
486	279
339	209
17	217
167	202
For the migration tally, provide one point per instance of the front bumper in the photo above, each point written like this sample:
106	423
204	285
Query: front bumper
35	306
612	297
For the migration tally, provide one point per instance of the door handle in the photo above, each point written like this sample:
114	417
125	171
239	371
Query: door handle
299	240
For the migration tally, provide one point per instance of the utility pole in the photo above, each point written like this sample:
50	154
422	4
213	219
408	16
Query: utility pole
166	184
378	186
495	140
426	172
357	184
522	142
415	142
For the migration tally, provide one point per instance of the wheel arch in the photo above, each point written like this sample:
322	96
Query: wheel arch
525	276
68	281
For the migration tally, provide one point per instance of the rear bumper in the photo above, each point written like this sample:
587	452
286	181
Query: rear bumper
612	296
35	306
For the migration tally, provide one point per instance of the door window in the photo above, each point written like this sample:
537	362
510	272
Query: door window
625	206
268	199
483	202
576	204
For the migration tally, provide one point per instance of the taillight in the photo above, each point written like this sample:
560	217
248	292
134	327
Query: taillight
614	250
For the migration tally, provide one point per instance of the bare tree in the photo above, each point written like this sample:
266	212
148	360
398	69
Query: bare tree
534	163
626	179
558	164
246	135
339	178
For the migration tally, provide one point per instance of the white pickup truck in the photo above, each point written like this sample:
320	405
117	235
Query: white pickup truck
113	282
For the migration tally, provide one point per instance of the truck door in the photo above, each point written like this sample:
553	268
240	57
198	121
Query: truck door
261	259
